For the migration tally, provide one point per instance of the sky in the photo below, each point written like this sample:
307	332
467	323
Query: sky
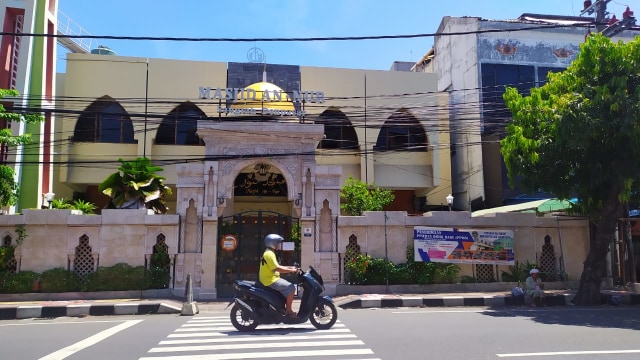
250	19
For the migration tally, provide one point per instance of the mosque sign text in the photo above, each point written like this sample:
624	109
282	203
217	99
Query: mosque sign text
242	94
263	111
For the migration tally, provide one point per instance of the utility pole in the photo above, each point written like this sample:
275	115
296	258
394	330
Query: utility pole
608	27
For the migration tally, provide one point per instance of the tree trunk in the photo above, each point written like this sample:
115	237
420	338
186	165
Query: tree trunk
596	261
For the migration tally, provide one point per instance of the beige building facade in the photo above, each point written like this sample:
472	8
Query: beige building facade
269	157
250	149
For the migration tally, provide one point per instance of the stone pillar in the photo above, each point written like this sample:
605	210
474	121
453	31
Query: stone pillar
190	203
327	199
307	242
209	257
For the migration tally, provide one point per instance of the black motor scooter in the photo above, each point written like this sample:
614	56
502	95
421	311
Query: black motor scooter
255	304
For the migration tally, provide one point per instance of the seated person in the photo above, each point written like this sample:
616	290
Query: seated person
270	271
533	288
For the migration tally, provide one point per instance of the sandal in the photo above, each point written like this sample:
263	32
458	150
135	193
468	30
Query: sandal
292	314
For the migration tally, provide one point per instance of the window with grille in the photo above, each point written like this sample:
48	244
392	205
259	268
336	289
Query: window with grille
402	132
7	255
352	251
338	130
83	262
485	273
105	120
179	127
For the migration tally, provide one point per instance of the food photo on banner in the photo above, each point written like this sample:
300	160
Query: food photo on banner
463	246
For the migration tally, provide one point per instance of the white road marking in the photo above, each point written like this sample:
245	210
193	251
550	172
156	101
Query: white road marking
257	338
91	340
198	321
210	317
561	353
63	322
228	335
214	327
503	310
212	338
442	311
285	354
280	344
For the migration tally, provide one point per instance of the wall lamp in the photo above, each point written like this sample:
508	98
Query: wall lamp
298	199
47	199
449	201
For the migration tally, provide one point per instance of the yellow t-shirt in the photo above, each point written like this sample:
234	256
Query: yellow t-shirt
268	264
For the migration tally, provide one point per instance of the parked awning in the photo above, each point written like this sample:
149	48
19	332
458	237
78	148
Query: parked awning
539	206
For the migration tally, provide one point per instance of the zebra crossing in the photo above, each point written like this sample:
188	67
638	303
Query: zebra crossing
214	338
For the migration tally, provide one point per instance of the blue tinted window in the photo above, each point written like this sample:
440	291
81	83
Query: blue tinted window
105	120
180	126
402	132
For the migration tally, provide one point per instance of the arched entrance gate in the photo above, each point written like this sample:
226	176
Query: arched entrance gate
241	260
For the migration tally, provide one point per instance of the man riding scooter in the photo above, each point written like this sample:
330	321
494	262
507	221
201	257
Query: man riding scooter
270	271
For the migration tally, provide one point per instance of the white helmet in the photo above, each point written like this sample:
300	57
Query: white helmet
272	240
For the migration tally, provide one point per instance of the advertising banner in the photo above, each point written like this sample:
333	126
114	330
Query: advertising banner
463	246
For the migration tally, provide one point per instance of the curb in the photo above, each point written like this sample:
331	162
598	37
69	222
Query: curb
392	301
28	311
80	310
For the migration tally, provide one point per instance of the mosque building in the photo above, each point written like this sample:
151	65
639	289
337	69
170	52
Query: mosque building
252	148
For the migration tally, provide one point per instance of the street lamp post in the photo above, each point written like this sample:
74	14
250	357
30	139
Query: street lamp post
449	201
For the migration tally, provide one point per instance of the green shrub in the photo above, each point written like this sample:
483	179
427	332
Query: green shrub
421	272
79	204
59	280
159	273
115	278
518	272
158	278
20	282
61	203
6	255
446	273
357	269
378	270
467	279
400	275
86	207
366	270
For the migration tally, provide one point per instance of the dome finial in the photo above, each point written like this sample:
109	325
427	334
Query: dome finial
264	72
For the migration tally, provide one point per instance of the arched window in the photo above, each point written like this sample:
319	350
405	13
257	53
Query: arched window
180	125
338	131
105	120
402	132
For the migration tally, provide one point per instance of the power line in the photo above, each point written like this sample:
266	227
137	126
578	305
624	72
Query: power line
301	39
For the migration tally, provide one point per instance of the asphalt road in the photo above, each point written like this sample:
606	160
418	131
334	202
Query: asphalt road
558	333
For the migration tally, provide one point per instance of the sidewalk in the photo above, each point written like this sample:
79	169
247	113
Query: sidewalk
11	310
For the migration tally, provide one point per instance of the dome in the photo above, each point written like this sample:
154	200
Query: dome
264	95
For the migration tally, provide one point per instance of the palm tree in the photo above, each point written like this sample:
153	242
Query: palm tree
136	185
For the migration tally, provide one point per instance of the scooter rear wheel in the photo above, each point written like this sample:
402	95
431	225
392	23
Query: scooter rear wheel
324	315
241	319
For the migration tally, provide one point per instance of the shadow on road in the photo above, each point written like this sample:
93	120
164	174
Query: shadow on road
618	317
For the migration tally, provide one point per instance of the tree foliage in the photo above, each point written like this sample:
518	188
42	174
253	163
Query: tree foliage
579	136
136	185
9	187
358	197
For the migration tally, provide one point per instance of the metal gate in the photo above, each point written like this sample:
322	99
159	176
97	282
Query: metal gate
242	261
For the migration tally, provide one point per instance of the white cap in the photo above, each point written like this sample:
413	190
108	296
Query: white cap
534	271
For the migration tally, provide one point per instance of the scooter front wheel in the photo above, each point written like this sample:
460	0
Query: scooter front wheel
241	319
324	314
